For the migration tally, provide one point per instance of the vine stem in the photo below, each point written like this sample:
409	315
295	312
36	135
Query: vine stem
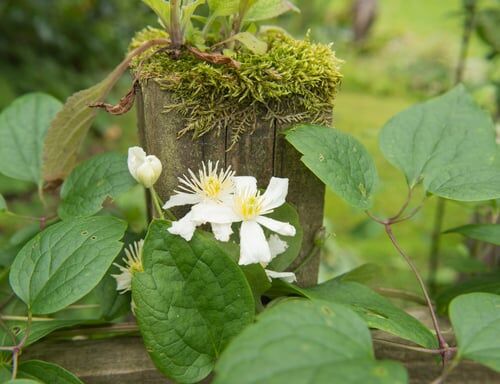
413	348
16	350
442	342
156	202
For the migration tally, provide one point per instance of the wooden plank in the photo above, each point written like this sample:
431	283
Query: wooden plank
124	360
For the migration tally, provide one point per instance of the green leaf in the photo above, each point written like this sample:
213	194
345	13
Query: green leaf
362	274
269	9
38	329
376	310
190	301
3	204
300	341
449	143
258	281
64	262
287	213
162	10
475	318
488	283
48	373
223	7
22	381
70	126
23	126
489	233
339	161
251	42
88	186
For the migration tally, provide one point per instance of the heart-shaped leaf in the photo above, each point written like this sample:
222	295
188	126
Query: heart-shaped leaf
339	161
64	262
86	188
190	301
23	126
449	143
301	341
476	321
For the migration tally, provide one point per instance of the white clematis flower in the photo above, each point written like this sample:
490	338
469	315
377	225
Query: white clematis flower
133	264
207	191
249	207
277	247
289	277
146	169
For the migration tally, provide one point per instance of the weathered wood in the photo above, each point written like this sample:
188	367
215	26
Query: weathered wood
124	360
261	153
158	133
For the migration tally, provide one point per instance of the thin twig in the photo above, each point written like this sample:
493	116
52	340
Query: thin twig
441	340
437	351
18	348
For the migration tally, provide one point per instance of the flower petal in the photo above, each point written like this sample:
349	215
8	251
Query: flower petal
246	184
276	245
289	277
136	157
253	244
275	194
222	232
182	198
280	227
184	227
212	212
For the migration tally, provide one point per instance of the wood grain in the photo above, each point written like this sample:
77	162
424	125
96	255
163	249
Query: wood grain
262	153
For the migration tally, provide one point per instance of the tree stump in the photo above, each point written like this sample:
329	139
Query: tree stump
262	153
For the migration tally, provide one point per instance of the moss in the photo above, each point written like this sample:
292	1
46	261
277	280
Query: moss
295	81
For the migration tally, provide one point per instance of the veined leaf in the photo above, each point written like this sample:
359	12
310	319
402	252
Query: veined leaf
190	301
299	341
449	143
288	214
269	9
489	233
38	329
70	126
487	283
223	7
90	183
64	262
251	42
338	160
162	10
23	126
376	310
47	373
476	321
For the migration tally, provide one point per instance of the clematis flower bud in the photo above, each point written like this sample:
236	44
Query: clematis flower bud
146	169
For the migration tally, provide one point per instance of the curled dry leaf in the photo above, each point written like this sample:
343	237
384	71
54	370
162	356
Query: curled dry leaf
124	105
214	58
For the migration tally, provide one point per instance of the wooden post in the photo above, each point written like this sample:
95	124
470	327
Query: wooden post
262	153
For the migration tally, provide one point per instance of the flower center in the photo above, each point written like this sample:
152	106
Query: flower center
249	206
212	187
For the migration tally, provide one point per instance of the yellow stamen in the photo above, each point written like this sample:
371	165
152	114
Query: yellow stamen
249	205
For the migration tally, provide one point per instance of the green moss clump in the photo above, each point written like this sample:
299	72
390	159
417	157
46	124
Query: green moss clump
295	81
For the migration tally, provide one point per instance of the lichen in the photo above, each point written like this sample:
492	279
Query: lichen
295	81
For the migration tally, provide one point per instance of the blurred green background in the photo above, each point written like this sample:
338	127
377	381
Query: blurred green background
408	52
